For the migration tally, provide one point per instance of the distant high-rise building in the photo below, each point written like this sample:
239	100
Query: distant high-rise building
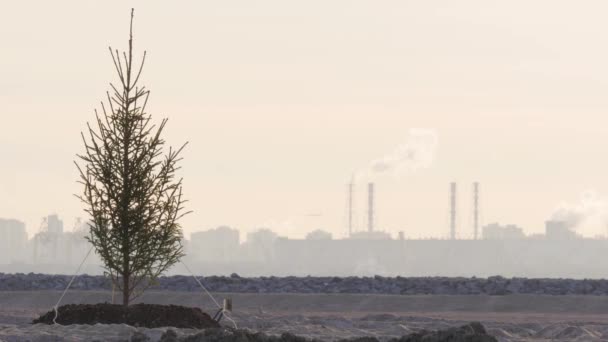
13	240
220	244
54	224
260	245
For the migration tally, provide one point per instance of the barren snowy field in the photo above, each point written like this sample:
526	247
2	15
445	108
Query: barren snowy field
333	316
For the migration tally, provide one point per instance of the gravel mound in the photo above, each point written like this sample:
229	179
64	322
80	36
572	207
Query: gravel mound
473	332
376	285
137	315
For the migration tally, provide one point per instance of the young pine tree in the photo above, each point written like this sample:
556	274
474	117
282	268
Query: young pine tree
130	189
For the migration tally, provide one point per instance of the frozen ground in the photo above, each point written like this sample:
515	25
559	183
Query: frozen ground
332	316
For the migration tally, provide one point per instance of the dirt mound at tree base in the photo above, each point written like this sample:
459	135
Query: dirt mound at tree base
472	332
137	315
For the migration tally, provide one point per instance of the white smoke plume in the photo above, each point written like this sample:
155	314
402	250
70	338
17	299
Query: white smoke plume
418	152
588	217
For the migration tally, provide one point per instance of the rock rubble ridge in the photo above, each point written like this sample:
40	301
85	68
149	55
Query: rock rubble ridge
351	285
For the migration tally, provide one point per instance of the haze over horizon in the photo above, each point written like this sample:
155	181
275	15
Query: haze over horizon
282	103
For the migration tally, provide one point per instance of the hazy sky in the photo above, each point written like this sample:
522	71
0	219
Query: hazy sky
282	101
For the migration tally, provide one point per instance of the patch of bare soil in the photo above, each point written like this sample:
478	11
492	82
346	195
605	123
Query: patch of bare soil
137	315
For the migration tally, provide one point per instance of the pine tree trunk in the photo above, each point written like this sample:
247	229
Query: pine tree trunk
125	291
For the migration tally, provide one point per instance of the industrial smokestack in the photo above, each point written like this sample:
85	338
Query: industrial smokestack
453	211
370	207
475	210
350	208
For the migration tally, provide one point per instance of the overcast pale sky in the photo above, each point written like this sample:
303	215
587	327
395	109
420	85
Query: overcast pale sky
282	101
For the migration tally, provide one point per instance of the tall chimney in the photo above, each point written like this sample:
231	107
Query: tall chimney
350	208
453	210
370	207
476	210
